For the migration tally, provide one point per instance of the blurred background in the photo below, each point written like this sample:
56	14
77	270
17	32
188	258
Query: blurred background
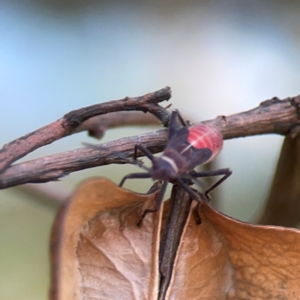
219	58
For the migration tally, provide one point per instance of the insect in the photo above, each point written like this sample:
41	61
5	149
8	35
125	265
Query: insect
187	148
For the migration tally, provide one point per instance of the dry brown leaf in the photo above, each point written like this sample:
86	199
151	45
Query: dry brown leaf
98	252
227	259
283	205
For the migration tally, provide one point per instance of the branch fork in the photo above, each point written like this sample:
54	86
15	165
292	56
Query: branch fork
272	116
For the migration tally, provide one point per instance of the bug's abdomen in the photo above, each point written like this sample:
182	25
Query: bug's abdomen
193	146
204	136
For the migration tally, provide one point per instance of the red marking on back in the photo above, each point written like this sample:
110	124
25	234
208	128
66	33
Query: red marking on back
204	136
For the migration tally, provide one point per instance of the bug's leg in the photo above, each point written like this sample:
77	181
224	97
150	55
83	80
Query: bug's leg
135	175
226	175
225	172
144	150
184	123
173	124
155	187
158	202
190	191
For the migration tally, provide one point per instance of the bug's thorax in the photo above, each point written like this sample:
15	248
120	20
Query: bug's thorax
164	168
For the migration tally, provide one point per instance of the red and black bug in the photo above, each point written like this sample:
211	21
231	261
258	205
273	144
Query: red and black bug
188	147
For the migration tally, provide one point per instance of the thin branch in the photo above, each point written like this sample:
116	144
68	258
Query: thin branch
97	126
180	204
59	165
69	122
272	116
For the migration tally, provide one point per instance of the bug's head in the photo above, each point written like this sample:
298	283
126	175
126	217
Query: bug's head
162	169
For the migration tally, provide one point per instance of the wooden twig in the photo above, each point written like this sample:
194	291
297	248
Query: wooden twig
97	126
272	116
180	204
69	122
